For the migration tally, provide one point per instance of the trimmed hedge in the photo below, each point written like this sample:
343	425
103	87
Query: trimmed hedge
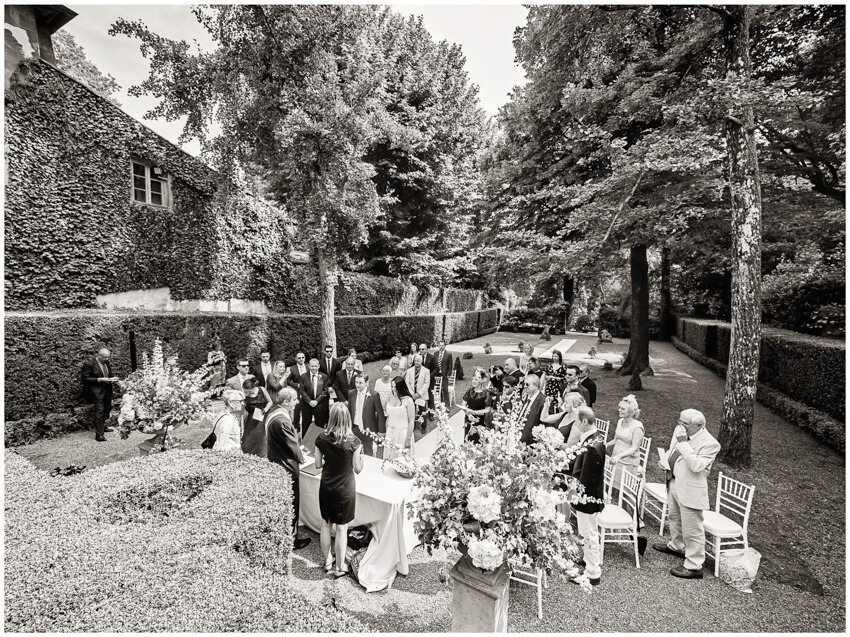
807	369
822	425
185	541
44	350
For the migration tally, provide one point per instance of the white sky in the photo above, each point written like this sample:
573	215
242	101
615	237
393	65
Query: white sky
485	33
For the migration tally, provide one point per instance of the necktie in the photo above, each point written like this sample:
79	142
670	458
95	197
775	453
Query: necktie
314	386
415	379
103	369
671	461
440	362
349	378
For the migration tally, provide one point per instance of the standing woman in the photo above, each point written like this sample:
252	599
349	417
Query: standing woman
228	430
277	379
339	455
525	356
257	403
384	386
401	415
553	380
477	403
627	439
411	354
566	418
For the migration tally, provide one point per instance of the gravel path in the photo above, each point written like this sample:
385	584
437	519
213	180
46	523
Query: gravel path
797	523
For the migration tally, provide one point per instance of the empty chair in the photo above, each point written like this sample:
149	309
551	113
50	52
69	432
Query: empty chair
655	502
532	577
730	517
645	445
618	523
438	390
451	387
603	426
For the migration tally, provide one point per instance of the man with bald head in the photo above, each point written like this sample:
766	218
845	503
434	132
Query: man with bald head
97	379
511	369
692	452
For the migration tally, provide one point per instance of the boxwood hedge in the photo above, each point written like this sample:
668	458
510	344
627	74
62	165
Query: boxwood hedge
185	541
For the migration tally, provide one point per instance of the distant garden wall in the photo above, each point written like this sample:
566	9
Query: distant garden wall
801	377
44	350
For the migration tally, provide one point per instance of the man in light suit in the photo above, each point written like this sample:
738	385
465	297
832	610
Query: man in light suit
314	397
284	450
263	369
531	407
366	412
417	379
443	369
429	362
344	381
235	382
692	452
96	376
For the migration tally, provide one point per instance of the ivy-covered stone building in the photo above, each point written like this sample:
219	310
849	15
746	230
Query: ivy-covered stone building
97	203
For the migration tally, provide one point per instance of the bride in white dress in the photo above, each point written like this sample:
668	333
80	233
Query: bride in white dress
401	414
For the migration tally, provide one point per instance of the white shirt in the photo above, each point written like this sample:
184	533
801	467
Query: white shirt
267	369
358	408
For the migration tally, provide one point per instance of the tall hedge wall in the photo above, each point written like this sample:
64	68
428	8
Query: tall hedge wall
44	350
807	369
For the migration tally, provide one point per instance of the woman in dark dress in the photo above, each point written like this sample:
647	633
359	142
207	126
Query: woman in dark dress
553	378
477	403
257	403
339	455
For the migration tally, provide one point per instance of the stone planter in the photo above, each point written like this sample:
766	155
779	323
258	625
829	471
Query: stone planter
479	598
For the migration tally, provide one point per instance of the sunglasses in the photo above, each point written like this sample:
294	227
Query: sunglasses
241	366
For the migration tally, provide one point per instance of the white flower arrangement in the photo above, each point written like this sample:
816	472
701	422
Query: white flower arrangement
484	504
486	554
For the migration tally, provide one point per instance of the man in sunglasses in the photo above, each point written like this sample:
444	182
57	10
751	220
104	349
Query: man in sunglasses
242	373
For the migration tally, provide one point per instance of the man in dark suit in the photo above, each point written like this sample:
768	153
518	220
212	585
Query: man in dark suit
298	370
263	369
314	397
366	412
511	369
588	384
531	407
443	367
328	364
572	383
284	450
429	362
96	376
344	381
589	469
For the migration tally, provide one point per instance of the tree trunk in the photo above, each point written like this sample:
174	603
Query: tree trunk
745	186
569	295
326	268
637	358
666	302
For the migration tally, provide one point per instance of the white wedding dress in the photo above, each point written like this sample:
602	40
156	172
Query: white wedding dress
397	430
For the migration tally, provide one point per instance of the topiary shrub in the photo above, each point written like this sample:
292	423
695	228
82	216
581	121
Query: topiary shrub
164	543
583	323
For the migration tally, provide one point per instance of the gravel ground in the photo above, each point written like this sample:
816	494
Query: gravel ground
797	523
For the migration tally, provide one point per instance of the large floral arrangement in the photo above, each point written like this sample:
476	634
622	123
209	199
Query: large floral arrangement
160	396
500	497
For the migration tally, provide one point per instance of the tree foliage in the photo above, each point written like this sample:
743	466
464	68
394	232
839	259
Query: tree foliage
72	58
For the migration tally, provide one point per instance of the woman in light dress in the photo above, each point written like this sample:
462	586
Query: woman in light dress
384	386
566	417
625	447
228	430
401	415
525	356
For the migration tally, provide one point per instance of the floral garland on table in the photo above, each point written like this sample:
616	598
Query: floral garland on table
403	462
160	396
499	497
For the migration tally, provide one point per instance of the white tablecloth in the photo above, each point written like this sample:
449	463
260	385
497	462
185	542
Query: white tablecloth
382	502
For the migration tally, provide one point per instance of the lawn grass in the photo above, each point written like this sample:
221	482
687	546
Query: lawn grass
797	523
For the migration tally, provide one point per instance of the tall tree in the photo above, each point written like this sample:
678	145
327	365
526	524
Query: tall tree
298	91
72	58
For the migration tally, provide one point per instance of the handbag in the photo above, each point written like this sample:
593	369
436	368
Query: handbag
209	441
359	537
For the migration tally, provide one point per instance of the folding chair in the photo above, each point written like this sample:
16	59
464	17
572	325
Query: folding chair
451	387
736	499
643	453
655	502
618	523
535	578
438	390
603	426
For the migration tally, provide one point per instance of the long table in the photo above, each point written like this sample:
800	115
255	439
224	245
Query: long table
381	502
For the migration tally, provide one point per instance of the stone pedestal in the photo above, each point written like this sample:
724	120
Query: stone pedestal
479	598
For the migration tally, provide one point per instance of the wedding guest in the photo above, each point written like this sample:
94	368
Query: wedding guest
284	450
257	403
553	380
418	378
587	383
366	412
527	353
384	386
329	365
624	449
395	366
358	364
477	404
509	396
565	418
403	366
339	455
235	382
429	362
414	350
296	372
443	369
263	369
531	407
96	377
344	381
589	469
572	384
228	428
401	418
278	379
533	366
217	360
692	452
511	369
314	397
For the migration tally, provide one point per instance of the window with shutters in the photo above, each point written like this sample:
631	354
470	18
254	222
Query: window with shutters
150	184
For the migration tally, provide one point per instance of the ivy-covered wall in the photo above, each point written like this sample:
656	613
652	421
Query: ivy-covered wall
72	230
44	350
